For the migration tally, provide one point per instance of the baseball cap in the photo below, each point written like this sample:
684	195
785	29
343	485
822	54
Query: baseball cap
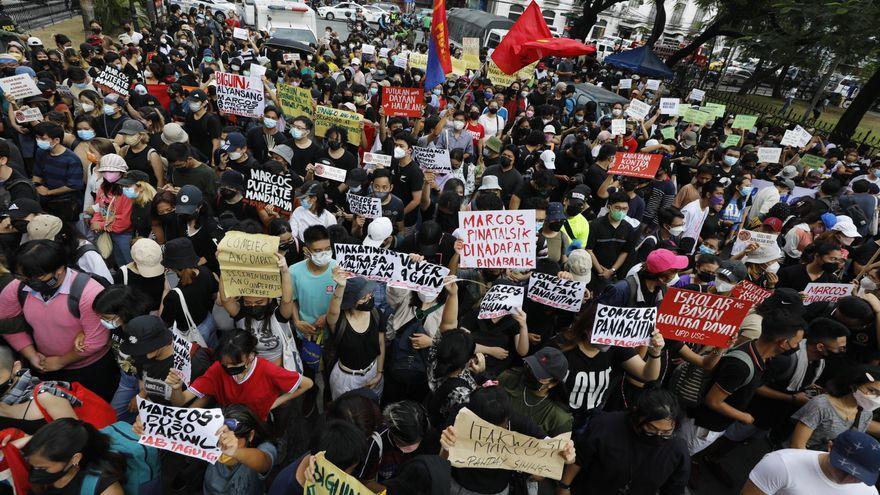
174	133
490	182
549	362
549	159
198	95
857	454
22	207
232	178
34	41
44	227
145	334
311	188
689	138
788	172
131	127
378	230
660	260
774	223
179	254
133	177
115	98
846	226
580	265
112	163
355	61
284	151
355	177
733	271
549	129
188	200
554	212
785	183
578	195
234	141
147	256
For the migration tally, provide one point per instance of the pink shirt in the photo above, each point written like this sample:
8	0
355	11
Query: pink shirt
54	328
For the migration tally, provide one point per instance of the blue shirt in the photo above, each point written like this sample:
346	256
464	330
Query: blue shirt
239	479
312	292
285	483
61	170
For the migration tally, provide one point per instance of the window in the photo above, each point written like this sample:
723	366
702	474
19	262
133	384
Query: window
697	23
677	13
514	12
599	29
549	16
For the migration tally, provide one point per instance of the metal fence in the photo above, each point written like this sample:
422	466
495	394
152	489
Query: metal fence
30	14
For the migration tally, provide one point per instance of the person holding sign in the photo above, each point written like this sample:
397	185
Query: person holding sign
248	455
537	391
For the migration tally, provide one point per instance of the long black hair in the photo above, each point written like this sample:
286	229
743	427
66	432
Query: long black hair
124	301
63	438
455	349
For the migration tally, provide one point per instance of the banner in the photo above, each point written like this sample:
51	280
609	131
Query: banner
20	86
501	300
556	292
265	188
433	159
826	292
747	291
701	318
187	431
480	444
326	117
404	102
182	358
329	172
417	61
330	480
240	95
499	78
623	327
364	206
395	269
643	165
113	80
744	121
295	101
497	239
769	155
248	266
470	53
669	106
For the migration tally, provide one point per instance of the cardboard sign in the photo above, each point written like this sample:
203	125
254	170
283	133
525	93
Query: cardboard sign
405	102
668	132
625	83
499	78
240	95
20	86
377	159
746	237
638	109
330	480
113	80
28	114
747	291
265	188
790	138
182	358
419	276
623	327
498	239
295	101
669	106
556	292
383	52
803	134
240	33
812	161
367	49
248	266
701	318
732	140
826	292
433	159
417	61
618	127
652	84
697	94
326	117
769	155
364	206
643	165
328	172
744	121
480	444
187	431
395	269
501	300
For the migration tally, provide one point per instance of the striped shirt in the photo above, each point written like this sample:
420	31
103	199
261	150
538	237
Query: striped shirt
59	170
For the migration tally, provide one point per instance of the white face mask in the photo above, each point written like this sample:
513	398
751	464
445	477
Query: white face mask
426	298
722	286
674	280
458	125
677	231
322	259
195	106
866	402
616	112
234	155
772	267
399	152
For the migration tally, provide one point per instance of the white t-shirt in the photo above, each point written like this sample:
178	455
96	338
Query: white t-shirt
694	218
797	472
492	124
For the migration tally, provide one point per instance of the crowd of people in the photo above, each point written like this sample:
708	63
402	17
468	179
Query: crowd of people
112	207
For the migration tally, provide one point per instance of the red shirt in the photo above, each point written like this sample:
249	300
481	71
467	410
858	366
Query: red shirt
258	391
477	131
631	144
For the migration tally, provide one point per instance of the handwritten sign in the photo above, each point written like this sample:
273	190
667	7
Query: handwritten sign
556	292
652	84
499	78
257	70
295	101
28	114
368	49
697	94
470	52
405	102
696	116
248	266
625	83
364	206
417	61
329	172
642	165
265	188
715	109
701	318
419	276
732	140
618	127
377	159
182	358
480	444
746	237
240	33
433	159
395	269
747	291
790	138
812	161
498	239
668	132
19	86
769	155
804	136
290	57
744	121
240	95
186	431
501	300
401	61
330	480
638	109
669	106
326	117
623	327
113	80
826	292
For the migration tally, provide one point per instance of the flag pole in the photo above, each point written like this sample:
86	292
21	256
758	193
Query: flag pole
471	83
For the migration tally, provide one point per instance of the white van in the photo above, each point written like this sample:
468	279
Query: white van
269	15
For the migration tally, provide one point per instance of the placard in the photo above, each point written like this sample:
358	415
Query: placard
623	327
769	155
187	431
395	269
182	358
746	237
638	109
248	266
330	172
433	159
290	57
480	444
652	84
240	33
701	318
400	61
668	132
20	86
240	95
556	292
715	109
744	121
368	49
419	276
499	78
826	292
470	52
265	188
326	117
28	114
669	106
295	101
417	61
812	161
625	83
804	136
643	165
113	80
498	239
405	102
731	141
364	206
383	52
376	159
330	480
697	94
747	291
618	127
257	70
696	116
501	300
790	138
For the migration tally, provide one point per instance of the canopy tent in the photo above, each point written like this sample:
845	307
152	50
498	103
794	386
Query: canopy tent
641	61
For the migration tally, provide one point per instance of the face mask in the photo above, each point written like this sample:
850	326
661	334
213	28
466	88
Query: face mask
43	145
109	325
877	173
129	192
571	211
531	382
504	161
705	276
88	107
374	91
866	402
235	370
305	203
716	201
20	225
334	144
829	267
772	267
437	92
417	78
746	191
132	140
706	249
426	298
458	125
616	112
652	438
399	152
43	477
109	109
723	286
82	85
296	133
255	312
148	73
195	106
677	231
366	306
46	288
730	160
674	280
86	134
868	284
617	215
578	118
269	123
111	177
380	194
493	109
234	155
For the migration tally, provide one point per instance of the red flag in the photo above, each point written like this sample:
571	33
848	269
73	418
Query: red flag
531	26
557	47
440	36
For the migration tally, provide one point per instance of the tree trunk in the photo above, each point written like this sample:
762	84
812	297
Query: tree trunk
777	85
582	25
88	12
860	105
710	32
659	24
751	82
820	90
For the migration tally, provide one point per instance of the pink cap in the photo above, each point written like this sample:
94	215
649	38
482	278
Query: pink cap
661	260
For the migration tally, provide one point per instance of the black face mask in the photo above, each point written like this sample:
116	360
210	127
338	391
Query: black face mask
228	194
255	312
571	211
651	438
554	226
705	276
366	306
20	225
184	218
234	370
43	477
530	381
46	288
334	144
157	369
830	267
473	115
504	161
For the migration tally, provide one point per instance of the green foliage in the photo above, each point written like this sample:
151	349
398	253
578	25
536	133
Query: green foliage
112	13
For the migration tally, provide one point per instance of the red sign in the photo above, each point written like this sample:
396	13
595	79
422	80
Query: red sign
701	318
643	165
747	291
403	102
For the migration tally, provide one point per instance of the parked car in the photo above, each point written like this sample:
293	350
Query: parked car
735	76
604	99
342	10
218	8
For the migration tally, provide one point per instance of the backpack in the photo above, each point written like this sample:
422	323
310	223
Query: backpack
87	405
410	365
6	196
690	383
73	298
143	468
858	216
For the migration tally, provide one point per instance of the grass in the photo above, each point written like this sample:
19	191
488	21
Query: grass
830	116
72	27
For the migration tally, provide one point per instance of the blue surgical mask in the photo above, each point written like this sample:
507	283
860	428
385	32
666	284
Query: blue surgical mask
86	134
296	133
437	92
129	192
746	191
109	325
539	224
373	91
305	203
81	85
109	109
730	160
704	249
877	173
269	123
355	190
44	145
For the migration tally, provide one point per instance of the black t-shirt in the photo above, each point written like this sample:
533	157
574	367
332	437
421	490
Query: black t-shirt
731	375
408	180
498	334
589	377
796	277
862	254
346	162
150	288
304	156
199	297
526	191
258	145
594	177
203	131
241	210
608	242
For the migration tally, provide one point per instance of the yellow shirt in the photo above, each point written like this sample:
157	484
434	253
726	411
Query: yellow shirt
580	228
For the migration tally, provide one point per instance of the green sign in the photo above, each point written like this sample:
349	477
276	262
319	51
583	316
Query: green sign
744	121
812	161
694	116
732	140
716	109
668	132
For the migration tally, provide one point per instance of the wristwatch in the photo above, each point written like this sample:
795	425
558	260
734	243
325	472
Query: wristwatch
562	485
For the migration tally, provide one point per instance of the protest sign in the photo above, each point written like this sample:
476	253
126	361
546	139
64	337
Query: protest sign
367	49
330	172
376	159
701	318
697	95
330	480
643	165
113	80
240	95
470	52
265	188
716	109
248	266
652	84
668	132
187	431
290	57
669	106
732	140
769	155
383	53
405	102
625	83
812	161
638	109
418	61
19	86
498	238
747	291
182	358
800	192
623	327
618	127
364	206
826	292
295	101
480	444
556	292
501	300
433	159
804	136
746	237
459	67
744	121
696	116
28	114
240	33
258	70
501	79
396	269
790	138
418	275
326	117
401	61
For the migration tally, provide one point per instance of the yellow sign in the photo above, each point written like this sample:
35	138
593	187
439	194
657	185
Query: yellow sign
470	52
330	480
418	61
459	68
499	78
248	266
295	101
326	117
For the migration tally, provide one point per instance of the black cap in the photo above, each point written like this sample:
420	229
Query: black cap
198	95
355	177
233	179
549	362
579	194
23	207
188	200
311	188
179	254
144	334
133	177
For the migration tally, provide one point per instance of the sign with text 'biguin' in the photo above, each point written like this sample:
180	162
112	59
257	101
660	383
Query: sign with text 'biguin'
248	266
113	80
501	300
403	102
240	95
701	318
498	239
826	292
480	444
395	269
642	165
623	327
750	292
265	188
556	292
187	431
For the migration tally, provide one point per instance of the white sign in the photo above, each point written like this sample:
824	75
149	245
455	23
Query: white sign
433	159
368	49
638	109
498	239
187	431
501	300
697	95
28	114
826	292
618	127
669	106
746	237
395	269
805	136
653	84
383	52
625	83
240	33
377	159
364	206
769	155
20	86
182	358
240	95
401	61
556	292
290	57
258	70
791	138
623	327
328	172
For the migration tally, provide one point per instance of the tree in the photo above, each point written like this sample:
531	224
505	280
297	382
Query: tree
860	105
580	29
659	23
